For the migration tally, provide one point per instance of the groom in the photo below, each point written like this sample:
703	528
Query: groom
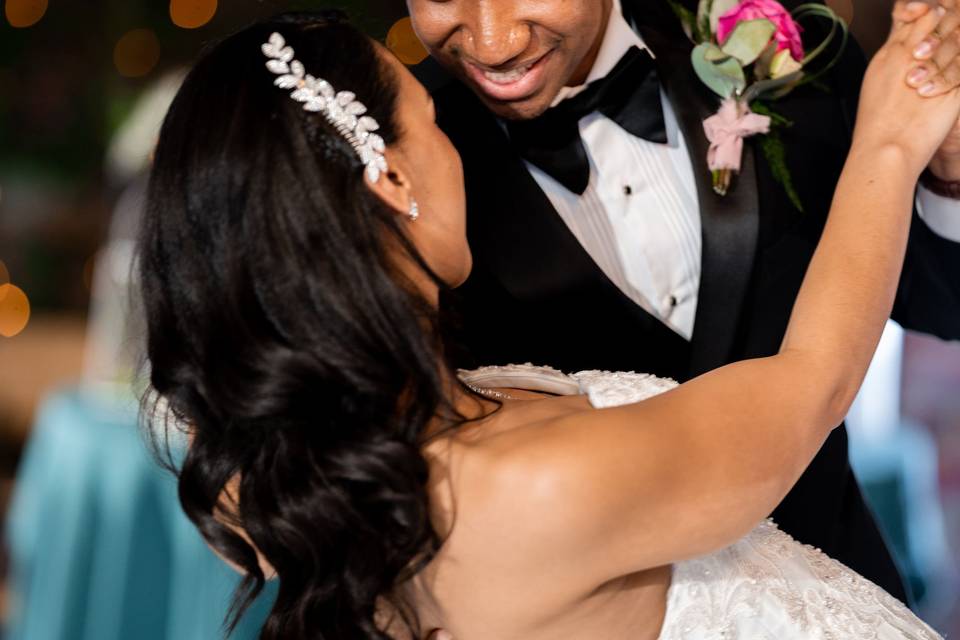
599	243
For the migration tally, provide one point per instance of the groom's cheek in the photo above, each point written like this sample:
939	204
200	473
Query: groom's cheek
433	23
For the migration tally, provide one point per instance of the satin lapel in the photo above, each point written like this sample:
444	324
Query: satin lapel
730	224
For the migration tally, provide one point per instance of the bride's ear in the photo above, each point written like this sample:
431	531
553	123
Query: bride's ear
393	187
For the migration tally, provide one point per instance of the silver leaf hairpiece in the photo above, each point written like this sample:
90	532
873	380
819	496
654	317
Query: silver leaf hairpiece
342	109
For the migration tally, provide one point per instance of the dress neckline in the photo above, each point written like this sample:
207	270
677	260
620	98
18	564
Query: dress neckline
527	377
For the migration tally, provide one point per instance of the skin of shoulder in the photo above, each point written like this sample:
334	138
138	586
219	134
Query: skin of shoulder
512	529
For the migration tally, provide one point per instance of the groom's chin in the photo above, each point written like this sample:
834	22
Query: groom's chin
520	110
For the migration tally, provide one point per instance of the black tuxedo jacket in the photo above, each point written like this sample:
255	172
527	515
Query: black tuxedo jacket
535	295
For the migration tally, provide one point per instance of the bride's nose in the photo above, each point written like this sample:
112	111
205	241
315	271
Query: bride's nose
493	33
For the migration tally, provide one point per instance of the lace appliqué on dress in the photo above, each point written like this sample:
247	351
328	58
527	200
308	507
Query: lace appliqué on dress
606	389
769	586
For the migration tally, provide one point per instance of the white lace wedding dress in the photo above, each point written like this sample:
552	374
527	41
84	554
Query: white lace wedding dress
767	586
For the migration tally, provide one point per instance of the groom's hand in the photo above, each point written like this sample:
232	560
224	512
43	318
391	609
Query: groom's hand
938	50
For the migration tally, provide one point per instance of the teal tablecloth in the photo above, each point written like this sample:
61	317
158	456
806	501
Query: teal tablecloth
99	549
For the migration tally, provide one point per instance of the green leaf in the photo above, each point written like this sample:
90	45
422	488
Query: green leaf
838	29
749	39
821	11
718	10
761	68
722	74
775	153
776	88
703	20
687	18
783	64
714	54
776	119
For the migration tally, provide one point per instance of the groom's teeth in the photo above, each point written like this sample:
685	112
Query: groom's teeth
506	77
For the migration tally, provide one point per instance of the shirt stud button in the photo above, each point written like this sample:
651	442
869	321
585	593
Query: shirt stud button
673	301
627	190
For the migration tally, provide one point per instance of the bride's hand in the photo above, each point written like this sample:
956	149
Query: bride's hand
938	69
892	114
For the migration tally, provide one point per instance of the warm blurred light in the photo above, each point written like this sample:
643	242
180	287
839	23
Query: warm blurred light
4	274
25	13
14	310
844	9
191	14
403	41
136	53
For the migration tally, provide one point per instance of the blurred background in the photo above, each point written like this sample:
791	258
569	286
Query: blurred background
93	544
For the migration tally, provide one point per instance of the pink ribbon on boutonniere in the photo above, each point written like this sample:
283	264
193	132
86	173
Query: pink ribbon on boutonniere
726	131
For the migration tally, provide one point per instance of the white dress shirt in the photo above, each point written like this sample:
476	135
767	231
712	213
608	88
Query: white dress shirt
941	214
639	218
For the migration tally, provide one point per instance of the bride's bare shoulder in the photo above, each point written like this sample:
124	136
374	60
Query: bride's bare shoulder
495	470
494	510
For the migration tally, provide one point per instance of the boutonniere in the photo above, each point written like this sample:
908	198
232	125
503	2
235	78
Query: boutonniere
750	53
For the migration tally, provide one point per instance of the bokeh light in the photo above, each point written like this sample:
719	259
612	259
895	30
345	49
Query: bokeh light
137	52
14	310
404	43
4	274
25	13
191	14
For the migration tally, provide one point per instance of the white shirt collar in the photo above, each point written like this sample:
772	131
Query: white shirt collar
617	40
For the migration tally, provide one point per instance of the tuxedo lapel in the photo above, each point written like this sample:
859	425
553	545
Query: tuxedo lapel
730	224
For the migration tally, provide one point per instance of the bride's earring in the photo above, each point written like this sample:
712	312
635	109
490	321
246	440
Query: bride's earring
414	210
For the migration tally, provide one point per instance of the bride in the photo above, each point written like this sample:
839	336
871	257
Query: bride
296	243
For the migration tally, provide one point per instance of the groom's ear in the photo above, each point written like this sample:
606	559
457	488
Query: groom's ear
393	187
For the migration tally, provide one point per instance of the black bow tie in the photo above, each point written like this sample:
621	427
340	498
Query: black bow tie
629	95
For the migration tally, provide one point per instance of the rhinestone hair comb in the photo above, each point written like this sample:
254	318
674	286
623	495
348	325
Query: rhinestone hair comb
341	109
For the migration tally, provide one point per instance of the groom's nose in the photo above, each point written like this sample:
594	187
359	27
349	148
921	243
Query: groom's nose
493	32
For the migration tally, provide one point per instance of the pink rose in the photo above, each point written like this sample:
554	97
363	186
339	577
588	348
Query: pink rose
788	31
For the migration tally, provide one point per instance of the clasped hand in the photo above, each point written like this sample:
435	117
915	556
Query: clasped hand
930	29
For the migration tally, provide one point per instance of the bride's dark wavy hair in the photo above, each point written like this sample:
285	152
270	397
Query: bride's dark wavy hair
284	341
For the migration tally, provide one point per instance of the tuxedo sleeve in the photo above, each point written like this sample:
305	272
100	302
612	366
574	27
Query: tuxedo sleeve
928	298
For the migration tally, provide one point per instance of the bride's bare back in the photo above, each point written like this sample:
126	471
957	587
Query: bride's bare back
478	583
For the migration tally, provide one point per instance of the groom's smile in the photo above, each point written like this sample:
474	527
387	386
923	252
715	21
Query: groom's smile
509	83
516	55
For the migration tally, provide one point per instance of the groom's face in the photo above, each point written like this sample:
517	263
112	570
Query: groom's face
515	54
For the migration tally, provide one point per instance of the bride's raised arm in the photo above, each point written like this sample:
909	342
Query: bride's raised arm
695	469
